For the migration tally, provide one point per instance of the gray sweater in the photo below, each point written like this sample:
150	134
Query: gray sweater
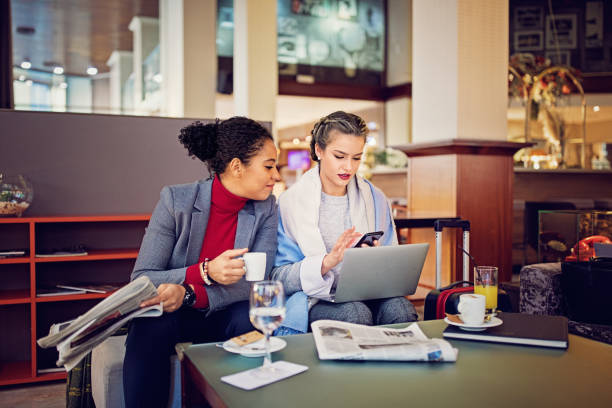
334	219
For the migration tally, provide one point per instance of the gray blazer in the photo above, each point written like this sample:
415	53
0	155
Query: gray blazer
175	234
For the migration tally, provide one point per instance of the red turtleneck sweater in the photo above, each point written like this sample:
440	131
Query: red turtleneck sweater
219	236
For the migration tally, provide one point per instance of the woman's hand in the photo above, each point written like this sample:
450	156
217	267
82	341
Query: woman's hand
225	269
375	243
170	294
335	256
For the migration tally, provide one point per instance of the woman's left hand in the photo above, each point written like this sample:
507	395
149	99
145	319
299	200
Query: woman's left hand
170	294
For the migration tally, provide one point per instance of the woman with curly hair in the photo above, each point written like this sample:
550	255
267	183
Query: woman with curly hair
313	233
191	251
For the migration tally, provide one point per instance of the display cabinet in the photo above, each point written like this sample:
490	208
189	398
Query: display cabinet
111	243
560	231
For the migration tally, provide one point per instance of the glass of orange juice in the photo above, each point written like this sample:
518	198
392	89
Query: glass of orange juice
485	283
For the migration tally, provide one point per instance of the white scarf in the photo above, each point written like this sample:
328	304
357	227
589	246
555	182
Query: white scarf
299	210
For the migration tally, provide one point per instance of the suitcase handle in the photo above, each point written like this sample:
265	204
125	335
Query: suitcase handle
439	225
455	284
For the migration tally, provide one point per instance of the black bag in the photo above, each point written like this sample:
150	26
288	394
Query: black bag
586	290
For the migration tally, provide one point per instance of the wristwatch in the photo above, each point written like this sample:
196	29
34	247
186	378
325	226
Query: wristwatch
190	296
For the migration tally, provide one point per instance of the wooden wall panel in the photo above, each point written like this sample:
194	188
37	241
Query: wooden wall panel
449	256
471	179
546	185
484	196
393	184
432	184
432	192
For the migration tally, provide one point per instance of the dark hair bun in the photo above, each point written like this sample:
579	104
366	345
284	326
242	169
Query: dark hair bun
200	140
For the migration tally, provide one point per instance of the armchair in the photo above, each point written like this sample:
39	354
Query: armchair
541	293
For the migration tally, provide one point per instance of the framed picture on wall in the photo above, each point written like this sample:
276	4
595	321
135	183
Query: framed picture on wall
528	40
562	57
561	31
593	36
528	18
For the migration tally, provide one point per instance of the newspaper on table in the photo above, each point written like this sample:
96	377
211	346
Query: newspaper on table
337	340
75	338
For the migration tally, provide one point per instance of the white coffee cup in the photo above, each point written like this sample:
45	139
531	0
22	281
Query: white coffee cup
472	308
255	264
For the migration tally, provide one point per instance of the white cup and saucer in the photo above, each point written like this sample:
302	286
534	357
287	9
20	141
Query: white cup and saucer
472	314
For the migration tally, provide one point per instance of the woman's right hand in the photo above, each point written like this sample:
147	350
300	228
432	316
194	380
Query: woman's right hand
225	269
335	256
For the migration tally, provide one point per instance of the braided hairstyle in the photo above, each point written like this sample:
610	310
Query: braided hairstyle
217	143
343	122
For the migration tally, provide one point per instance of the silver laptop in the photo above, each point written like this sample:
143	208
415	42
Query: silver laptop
379	272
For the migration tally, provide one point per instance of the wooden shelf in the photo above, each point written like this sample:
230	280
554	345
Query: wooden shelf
50	376
120	230
15	260
15	372
78	218
93	255
14	297
80	296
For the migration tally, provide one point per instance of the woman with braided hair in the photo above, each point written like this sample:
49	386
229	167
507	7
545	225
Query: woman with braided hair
322	215
191	247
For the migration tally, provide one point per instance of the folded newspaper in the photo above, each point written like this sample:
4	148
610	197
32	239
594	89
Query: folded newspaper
348	341
75	338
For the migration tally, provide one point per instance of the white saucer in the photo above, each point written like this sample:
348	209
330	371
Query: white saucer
495	321
256	349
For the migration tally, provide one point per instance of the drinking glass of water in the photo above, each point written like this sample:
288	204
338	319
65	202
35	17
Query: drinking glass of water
267	310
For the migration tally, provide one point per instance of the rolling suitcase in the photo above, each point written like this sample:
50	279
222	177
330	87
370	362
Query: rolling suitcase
444	300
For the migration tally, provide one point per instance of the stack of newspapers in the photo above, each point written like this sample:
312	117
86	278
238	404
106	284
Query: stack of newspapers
75	338
347	341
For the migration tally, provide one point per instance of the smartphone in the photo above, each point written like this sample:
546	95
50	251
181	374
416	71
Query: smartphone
369	238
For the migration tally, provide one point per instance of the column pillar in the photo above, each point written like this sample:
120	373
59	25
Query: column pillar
255	65
121	65
188	57
461	164
399	71
146	38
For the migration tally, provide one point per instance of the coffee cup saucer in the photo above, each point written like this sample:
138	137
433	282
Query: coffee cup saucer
256	349
495	321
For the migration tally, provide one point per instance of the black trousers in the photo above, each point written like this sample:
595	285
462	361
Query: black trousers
151	340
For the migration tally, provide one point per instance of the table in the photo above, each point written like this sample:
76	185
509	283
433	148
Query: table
485	375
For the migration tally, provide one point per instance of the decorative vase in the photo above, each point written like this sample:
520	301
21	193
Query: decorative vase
16	195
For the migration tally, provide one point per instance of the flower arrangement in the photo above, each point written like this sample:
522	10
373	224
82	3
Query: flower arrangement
538	78
376	158
542	87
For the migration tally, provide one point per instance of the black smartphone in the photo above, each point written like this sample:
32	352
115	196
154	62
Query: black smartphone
369	238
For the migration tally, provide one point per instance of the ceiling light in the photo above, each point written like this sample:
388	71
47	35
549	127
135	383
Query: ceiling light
308	138
63	85
58	70
22	78
29	82
25	64
296	141
596	108
92	71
